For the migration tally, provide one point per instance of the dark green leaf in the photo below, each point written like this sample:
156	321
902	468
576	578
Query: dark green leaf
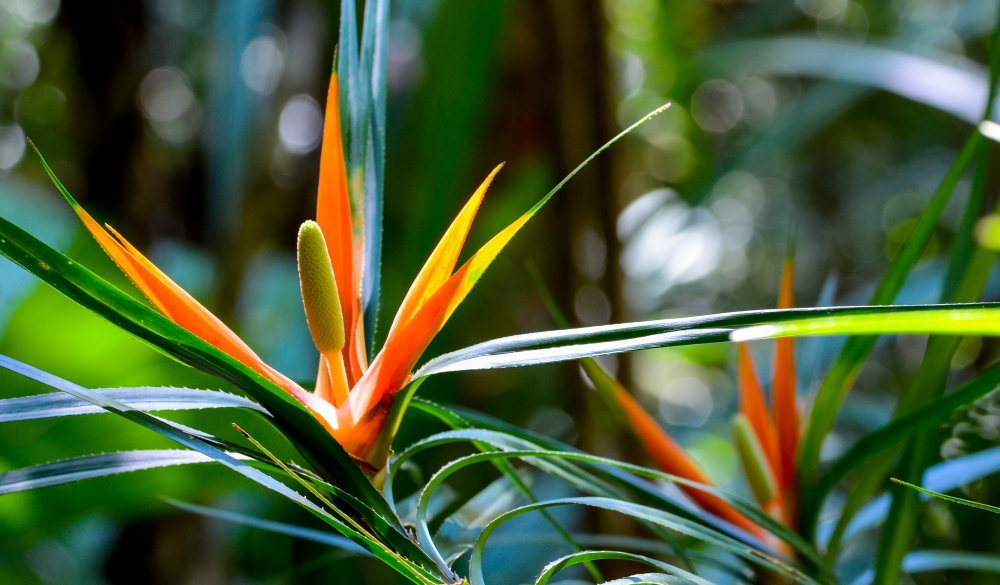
901	429
196	443
95	294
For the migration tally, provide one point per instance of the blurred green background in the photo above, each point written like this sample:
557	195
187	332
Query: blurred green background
193	127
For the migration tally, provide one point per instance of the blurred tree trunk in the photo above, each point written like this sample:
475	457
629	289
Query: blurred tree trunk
107	124
556	102
584	107
587	207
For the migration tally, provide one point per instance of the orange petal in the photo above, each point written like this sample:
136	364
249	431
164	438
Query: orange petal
324	388
785	402
180	307
187	312
667	454
390	371
333	214
175	303
754	407
442	260
403	347
121	257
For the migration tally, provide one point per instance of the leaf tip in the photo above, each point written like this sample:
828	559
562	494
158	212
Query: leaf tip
242	432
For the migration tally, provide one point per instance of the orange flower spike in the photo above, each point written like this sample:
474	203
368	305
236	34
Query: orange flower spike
667	455
333	214
371	397
754	407
784	400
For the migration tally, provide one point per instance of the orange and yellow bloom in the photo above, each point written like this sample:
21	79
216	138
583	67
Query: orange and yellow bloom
353	398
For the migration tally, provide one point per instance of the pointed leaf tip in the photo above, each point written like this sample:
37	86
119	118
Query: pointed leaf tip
52	177
240	429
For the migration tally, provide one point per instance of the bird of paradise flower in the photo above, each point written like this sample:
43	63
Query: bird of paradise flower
356	401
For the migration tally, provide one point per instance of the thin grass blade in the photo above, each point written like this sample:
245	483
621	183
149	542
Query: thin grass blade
311	534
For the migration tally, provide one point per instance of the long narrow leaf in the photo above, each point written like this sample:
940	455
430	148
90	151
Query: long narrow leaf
942	477
948	498
671	574
563	462
196	443
320	536
954	319
901	429
95	294
374	64
638	512
147	399
922	561
958	87
572	344
613	473
347	66
93	466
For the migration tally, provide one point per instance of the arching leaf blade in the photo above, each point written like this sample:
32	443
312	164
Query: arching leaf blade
147	399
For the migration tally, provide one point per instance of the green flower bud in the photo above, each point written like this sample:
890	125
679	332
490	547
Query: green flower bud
755	465
319	290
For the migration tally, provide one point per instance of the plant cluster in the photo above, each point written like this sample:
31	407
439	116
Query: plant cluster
344	426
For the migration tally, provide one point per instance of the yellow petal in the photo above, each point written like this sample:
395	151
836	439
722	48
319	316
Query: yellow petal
442	260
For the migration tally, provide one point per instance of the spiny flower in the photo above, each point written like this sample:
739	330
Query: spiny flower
355	400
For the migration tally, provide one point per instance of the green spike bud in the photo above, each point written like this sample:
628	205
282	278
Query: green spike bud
755	464
319	290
